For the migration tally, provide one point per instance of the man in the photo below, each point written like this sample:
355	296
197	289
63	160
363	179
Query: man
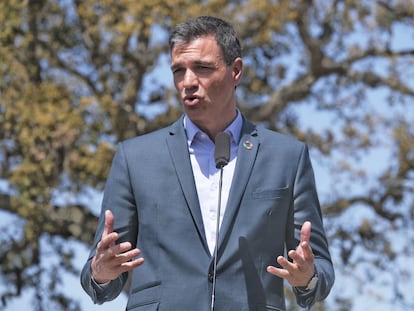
160	200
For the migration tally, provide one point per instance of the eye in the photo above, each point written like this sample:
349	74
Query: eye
204	68
176	70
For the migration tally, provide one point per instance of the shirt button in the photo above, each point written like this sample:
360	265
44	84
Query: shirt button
210	277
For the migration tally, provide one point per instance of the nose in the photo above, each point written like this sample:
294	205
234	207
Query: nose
190	80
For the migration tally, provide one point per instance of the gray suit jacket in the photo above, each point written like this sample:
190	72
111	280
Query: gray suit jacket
151	192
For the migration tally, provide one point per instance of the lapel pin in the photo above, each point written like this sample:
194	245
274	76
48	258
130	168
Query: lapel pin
248	145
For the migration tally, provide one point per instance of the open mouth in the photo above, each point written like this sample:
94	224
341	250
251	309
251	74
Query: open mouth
191	100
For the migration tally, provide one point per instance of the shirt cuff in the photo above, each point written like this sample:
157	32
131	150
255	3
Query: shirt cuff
99	286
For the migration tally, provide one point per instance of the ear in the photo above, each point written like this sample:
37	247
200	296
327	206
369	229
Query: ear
237	68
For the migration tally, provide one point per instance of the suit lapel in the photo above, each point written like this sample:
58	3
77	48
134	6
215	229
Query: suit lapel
246	156
177	145
247	152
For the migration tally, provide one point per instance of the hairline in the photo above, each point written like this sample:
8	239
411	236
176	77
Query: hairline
186	38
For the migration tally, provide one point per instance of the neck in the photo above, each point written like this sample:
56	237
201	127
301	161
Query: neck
216	126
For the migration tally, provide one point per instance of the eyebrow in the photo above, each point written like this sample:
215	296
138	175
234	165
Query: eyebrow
175	66
198	62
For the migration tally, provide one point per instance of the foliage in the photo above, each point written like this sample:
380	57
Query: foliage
79	76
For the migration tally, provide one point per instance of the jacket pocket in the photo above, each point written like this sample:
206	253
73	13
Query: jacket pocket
153	306
269	193
144	298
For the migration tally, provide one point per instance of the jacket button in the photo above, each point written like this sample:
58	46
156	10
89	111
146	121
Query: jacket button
210	277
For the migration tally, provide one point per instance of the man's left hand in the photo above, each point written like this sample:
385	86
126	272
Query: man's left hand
299	272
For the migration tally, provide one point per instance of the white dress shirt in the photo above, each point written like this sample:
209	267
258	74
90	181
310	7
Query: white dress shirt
207	176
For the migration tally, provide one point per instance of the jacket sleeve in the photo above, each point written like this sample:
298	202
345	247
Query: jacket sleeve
118	198
101	294
307	208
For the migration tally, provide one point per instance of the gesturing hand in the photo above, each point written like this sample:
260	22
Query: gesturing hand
300	271
111	260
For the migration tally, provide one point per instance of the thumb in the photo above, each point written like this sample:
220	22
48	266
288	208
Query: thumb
109	223
305	232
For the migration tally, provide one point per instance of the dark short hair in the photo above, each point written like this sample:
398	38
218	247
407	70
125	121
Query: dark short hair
194	28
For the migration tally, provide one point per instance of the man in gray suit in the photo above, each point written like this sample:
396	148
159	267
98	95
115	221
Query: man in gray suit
161	201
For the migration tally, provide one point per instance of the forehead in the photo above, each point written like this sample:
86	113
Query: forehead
198	48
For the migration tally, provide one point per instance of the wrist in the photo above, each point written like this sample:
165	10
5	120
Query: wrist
311	285
99	283
96	279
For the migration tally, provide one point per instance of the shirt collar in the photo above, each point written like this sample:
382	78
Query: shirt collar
234	129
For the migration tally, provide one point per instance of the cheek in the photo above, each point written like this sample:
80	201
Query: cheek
220	88
216	87
177	83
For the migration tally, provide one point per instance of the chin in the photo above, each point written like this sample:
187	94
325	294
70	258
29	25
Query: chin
192	109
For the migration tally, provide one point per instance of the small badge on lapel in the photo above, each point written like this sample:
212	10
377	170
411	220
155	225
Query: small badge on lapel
248	145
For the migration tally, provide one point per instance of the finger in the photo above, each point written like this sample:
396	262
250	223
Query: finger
129	265
127	261
282	273
307	251
107	241
120	248
286	264
128	256
305	232
109	223
297	257
113	268
123	252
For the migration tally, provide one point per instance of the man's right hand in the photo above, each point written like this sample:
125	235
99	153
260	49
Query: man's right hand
111	260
